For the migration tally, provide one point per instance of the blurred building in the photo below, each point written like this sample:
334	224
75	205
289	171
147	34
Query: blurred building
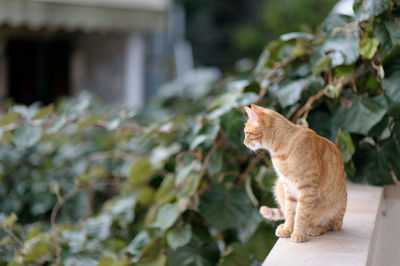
121	50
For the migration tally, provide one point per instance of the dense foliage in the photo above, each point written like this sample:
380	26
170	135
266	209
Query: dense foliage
172	184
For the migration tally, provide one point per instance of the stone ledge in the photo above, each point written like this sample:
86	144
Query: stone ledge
350	246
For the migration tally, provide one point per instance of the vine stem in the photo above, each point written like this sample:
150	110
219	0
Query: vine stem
60	202
394	177
248	170
311	100
214	147
12	235
273	72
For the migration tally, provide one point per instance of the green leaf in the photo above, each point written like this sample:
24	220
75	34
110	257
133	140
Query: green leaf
345	145
342	49
225	209
391	82
183	173
140	172
35	248
178	237
238	256
160	261
137	244
323	64
296	35
8	118
392	26
167	216
99	227
9	220
111	260
27	136
362	115
291	93
76	239
80	260
199	254
192	183
261	242
123	210
89	121
334	21
59	124
366	9
44	112
166	191
215	164
368	46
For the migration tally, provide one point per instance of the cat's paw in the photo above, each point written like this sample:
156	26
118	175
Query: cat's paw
298	237
316	230
282	231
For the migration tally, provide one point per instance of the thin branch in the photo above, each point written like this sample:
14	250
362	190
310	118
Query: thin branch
133	127
214	147
339	82
53	216
272	73
178	157
12	235
250	192
110	154
394	177
248	170
308	106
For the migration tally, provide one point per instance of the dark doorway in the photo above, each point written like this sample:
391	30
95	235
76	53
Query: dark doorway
38	70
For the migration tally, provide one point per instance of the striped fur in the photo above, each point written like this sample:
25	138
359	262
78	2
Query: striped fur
274	214
311	184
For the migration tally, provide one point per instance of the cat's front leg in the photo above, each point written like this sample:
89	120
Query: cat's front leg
305	204
286	229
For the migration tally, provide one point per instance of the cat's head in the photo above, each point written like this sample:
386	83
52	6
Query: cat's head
255	127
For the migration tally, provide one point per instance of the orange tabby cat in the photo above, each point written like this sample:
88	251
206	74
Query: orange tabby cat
311	184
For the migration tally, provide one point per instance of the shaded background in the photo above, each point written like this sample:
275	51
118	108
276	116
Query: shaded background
124	51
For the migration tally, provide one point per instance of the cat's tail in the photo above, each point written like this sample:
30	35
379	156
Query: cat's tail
272	213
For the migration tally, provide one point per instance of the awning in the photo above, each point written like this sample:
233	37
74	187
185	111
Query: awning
86	15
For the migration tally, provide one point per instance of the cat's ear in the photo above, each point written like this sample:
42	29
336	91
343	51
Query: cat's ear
256	108
251	114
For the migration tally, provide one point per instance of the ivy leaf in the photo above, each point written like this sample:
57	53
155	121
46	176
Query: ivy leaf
27	136
166	192
366	9
8	221
99	227
44	112
296	35
345	145
391	82
9	118
204	254
368	46
80	260
137	244
335	20
140	172
225	209
167	216
291	93
123	210
35	248
89	121
342	49
238	256
323	64
178	237
362	115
